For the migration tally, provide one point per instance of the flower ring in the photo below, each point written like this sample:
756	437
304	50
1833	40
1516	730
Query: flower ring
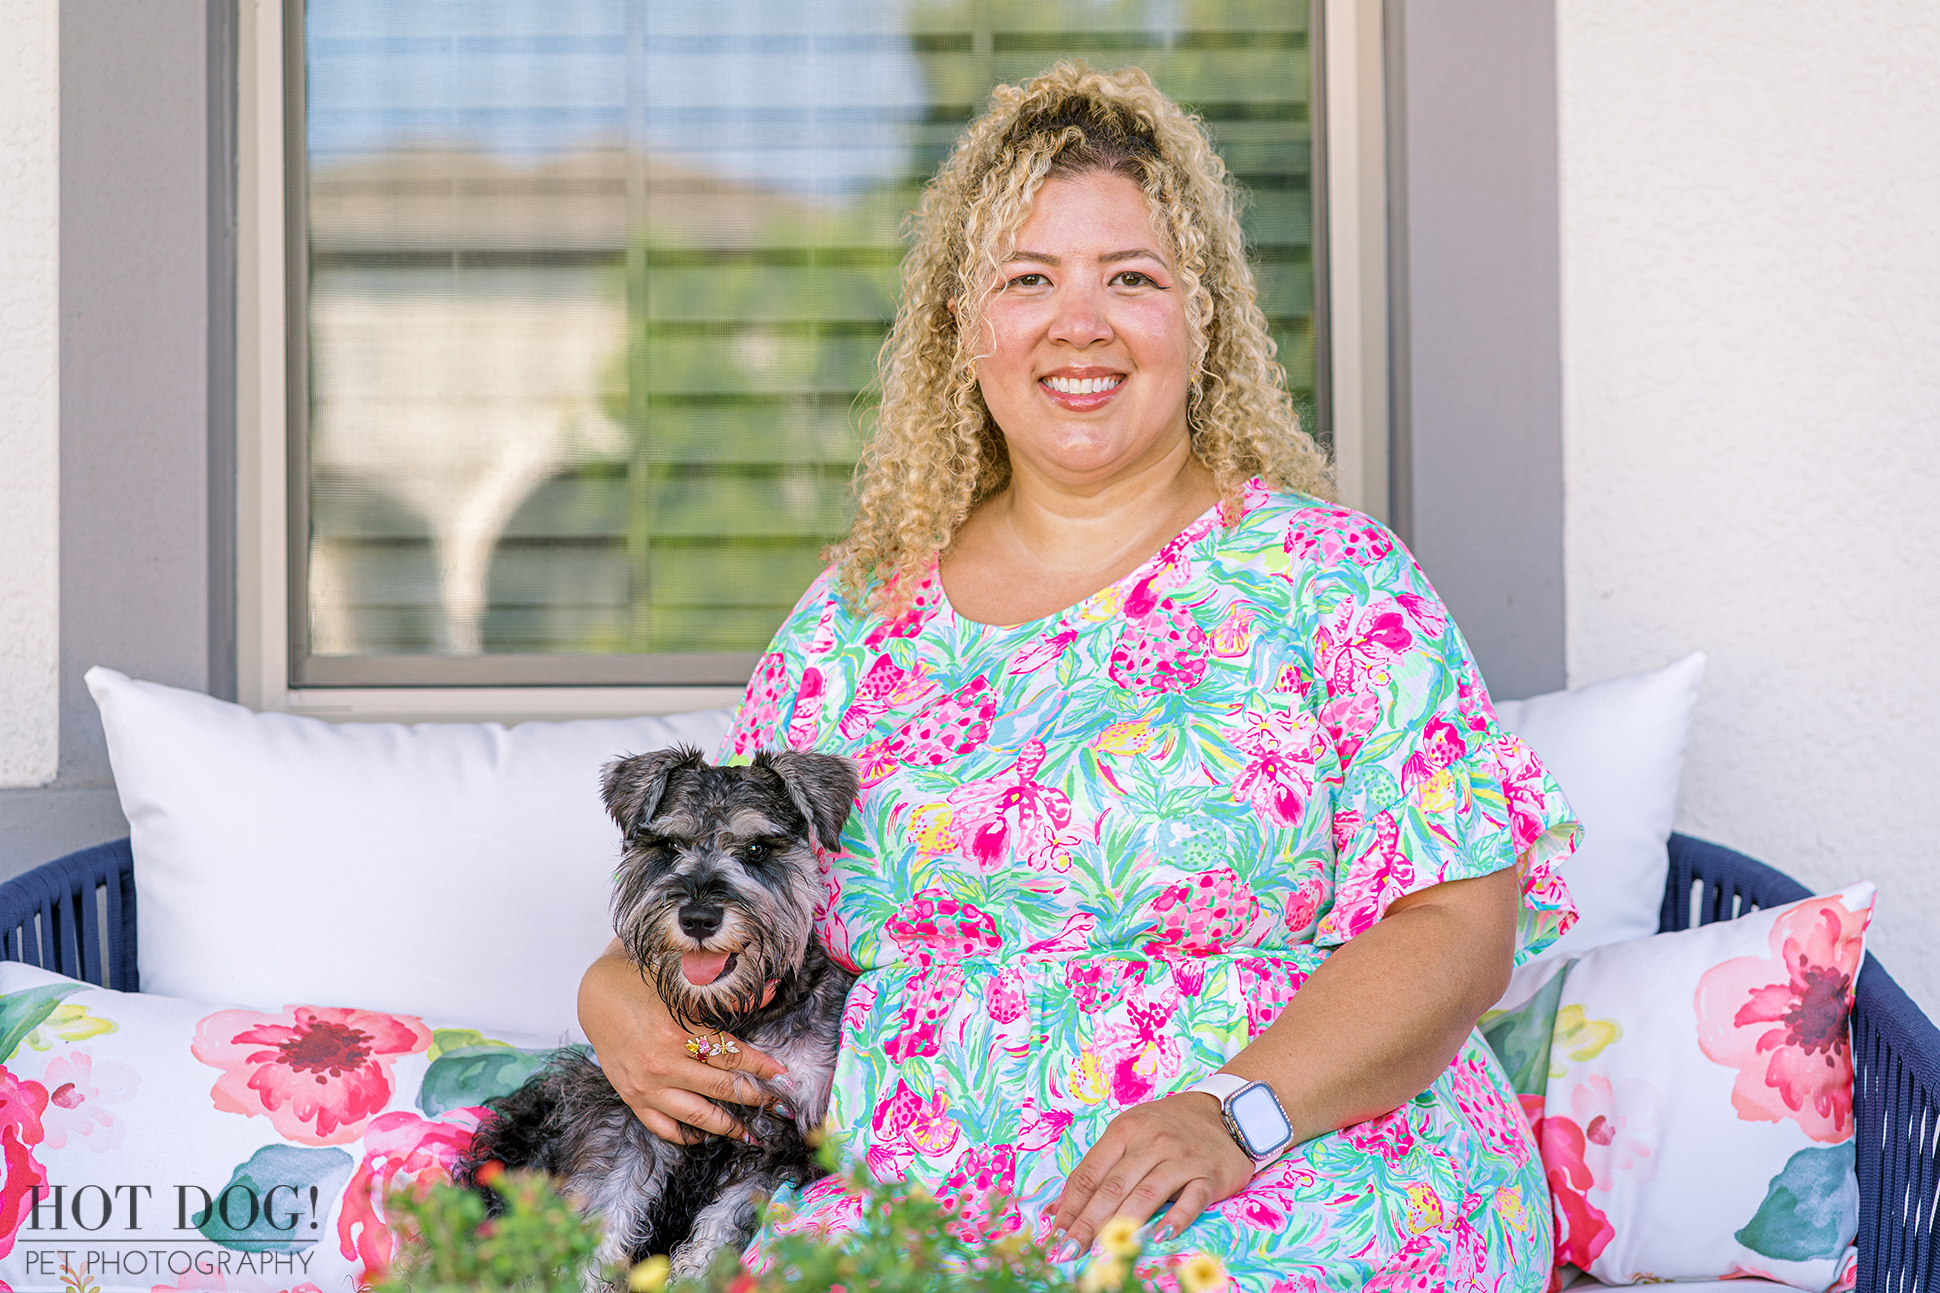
703	1047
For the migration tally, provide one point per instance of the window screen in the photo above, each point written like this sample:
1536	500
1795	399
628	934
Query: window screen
586	297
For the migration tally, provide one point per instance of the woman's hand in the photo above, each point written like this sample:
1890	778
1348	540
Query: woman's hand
643	1053
1376	1023
1177	1147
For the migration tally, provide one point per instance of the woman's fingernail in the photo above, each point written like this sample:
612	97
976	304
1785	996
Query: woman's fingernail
1163	1233
1067	1251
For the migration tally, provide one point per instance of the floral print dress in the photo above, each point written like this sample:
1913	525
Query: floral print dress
1096	854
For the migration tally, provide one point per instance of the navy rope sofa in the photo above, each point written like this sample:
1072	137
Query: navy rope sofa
76	916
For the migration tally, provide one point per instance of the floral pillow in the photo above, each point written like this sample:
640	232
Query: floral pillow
159	1144
1692	1096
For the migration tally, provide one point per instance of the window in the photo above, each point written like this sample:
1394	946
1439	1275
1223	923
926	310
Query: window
556	320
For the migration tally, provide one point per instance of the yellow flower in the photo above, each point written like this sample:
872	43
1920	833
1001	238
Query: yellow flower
1103	605
1120	1237
650	1276
1134	736
1087	1079
1580	1037
1424	1208
929	829
1010	1247
1105	1273
1437	794
1202	1273
68	1023
1508	1202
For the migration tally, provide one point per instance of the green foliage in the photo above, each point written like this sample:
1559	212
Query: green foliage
903	1243
539	1244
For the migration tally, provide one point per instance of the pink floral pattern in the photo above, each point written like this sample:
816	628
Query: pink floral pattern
1013	815
1781	1021
1098	852
79	1091
399	1149
318	1073
1163	651
1703	1145
22	1106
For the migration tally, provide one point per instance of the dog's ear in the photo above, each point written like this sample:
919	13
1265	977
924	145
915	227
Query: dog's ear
632	786
823	787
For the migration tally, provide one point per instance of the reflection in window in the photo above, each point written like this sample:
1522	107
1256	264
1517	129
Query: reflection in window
594	289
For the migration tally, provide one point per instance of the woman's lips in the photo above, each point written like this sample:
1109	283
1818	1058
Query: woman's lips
1082	401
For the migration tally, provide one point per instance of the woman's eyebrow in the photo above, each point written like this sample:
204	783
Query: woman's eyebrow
1135	253
1107	258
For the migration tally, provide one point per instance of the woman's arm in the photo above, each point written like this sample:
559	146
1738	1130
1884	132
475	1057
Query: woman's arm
1374	1026
643	1054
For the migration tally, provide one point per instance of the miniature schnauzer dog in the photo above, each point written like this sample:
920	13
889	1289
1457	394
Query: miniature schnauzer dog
715	902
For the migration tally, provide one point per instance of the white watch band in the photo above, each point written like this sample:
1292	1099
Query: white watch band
1221	1086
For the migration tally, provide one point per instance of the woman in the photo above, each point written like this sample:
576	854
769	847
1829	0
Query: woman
1169	767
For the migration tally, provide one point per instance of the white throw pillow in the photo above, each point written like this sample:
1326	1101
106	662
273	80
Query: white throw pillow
455	870
1692	1096
1617	749
181	1146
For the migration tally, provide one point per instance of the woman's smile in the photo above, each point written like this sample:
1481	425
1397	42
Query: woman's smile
1082	389
1087	355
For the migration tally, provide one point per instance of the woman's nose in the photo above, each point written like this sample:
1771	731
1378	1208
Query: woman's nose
1080	319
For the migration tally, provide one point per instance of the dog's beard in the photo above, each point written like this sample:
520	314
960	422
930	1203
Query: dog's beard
725	1002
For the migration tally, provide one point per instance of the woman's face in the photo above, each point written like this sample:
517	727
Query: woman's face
1089	353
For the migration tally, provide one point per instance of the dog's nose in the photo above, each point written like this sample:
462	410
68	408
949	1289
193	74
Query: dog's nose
698	921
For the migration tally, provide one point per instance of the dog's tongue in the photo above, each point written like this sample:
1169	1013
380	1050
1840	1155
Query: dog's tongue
702	968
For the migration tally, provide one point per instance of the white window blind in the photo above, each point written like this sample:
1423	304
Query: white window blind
587	295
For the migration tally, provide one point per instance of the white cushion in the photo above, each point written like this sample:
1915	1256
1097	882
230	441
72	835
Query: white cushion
455	870
144	1111
1617	749
1692	1096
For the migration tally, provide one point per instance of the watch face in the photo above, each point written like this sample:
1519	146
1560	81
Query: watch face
1261	1122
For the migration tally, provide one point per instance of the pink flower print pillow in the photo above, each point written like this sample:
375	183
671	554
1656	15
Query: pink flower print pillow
1692	1096
155	1143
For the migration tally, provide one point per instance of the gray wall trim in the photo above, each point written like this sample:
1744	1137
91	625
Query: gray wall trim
1479	462
221	24
1322	429
39	825
135	390
1394	86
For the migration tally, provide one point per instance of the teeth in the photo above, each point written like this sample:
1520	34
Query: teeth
1081	385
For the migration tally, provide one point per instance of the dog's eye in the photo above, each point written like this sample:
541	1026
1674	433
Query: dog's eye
756	851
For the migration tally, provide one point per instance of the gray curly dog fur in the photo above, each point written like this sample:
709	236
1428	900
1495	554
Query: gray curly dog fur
717	860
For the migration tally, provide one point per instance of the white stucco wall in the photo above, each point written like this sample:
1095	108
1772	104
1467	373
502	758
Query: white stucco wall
1751	365
29	392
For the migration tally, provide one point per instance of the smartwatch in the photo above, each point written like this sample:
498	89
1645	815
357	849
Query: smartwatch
1254	1116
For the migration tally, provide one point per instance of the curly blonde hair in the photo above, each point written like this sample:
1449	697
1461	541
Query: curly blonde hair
936	452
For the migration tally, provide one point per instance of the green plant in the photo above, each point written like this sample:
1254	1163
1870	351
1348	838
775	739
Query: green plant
537	1244
81	1281
904	1241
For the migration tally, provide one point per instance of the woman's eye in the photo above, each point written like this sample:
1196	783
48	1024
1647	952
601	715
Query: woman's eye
1133	278
1028	280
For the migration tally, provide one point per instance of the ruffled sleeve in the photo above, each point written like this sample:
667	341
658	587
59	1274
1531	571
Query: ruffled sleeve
1431	787
781	708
